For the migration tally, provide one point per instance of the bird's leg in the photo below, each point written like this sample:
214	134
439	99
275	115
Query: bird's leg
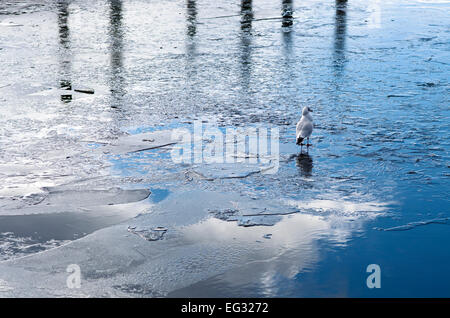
308	144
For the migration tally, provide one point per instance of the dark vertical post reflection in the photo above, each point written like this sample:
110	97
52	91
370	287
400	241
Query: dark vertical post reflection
340	31
305	163
191	19
190	49
287	11
246	39
289	75
65	71
246	15
117	81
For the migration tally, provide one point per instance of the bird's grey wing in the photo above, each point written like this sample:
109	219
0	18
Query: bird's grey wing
299	127
306	129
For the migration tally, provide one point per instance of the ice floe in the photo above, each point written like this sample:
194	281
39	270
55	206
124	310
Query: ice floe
139	142
186	238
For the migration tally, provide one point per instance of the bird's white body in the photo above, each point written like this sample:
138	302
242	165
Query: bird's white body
305	126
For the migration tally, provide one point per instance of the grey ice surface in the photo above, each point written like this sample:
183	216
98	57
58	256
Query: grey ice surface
195	246
139	142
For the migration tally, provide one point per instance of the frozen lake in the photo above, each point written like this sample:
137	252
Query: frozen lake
91	91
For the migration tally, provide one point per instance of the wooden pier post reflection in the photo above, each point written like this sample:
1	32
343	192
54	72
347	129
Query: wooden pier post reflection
65	58
191	28
245	43
117	80
340	34
287	13
191	18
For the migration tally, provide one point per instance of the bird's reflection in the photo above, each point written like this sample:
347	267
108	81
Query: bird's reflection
65	63
117	80
305	163
340	31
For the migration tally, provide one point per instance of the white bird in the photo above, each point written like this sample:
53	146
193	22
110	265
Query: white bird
304	127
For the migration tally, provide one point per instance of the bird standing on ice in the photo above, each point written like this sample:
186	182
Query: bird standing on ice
304	127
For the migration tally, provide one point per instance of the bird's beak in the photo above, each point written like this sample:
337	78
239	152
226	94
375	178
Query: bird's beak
311	110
